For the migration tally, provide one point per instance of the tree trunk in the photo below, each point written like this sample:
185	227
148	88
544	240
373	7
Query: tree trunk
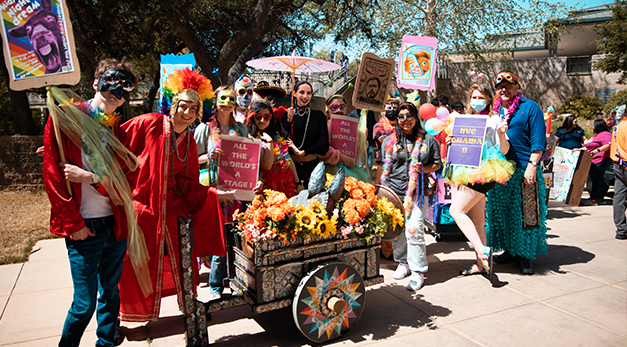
23	122
150	100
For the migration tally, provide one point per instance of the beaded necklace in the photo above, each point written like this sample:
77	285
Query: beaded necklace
301	111
185	160
513	106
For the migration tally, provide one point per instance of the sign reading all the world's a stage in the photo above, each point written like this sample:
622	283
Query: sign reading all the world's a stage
468	137
238	167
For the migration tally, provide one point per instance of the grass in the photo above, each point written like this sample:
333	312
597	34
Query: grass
24	220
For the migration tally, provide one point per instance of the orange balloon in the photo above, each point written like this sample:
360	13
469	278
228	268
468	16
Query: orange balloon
438	125
449	128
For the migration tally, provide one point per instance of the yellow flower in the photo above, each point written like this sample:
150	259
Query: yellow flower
317	208
388	208
328	182
306	218
326	228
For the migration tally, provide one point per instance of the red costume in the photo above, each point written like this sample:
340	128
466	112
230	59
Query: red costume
166	187
65	218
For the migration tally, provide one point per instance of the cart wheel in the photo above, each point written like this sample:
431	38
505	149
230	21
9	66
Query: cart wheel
328	302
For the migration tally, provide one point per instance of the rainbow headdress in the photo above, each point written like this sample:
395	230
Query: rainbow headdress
187	85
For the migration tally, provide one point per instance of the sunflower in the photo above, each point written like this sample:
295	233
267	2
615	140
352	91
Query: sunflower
317	208
326	229
306	218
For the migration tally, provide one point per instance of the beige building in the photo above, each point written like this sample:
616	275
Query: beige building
551	68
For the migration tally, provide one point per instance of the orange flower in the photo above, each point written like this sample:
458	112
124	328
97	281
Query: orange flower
257	202
276	213
357	193
367	187
372	199
352	216
363	207
350	183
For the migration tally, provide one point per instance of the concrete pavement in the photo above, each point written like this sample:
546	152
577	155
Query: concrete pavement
578	297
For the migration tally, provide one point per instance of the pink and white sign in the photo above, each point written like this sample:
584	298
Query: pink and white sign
343	135
446	192
238	167
417	62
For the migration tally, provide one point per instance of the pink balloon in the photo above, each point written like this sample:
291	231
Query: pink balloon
481	75
442	113
472	73
427	111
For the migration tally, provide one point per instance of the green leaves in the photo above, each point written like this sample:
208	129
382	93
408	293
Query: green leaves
614	42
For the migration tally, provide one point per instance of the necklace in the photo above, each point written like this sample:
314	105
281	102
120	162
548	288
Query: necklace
308	112
175	148
513	106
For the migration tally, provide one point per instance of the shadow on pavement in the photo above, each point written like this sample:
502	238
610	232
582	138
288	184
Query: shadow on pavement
558	256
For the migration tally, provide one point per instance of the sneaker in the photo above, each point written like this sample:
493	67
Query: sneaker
415	281
618	237
402	271
213	297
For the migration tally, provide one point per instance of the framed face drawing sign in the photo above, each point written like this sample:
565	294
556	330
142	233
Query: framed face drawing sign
373	80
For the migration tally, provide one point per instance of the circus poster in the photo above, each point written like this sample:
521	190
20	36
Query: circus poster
417	62
38	43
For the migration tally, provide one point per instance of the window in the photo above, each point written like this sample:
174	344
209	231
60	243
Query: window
604	94
577	65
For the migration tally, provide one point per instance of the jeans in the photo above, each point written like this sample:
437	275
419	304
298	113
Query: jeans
620	194
217	274
410	247
96	266
597	177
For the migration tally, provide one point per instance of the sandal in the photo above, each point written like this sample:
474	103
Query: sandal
468	271
487	263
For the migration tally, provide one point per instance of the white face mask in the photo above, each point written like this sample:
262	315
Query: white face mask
478	105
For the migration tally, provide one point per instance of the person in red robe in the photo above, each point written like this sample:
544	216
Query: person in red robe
167	188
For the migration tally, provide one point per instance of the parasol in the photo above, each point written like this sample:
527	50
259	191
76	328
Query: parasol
294	64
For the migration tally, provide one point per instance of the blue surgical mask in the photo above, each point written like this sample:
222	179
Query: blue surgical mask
478	105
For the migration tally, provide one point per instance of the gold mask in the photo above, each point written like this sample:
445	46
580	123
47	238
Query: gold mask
226	97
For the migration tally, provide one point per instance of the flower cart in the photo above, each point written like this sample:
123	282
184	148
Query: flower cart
317	258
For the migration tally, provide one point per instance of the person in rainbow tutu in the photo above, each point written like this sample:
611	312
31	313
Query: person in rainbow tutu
468	206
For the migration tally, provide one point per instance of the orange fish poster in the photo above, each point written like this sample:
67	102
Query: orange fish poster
38	43
417	62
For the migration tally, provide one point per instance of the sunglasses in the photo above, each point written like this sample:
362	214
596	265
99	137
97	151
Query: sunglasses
337	107
262	117
243	91
113	78
405	117
505	85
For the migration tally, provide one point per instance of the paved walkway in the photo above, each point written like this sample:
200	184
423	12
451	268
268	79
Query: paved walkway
578	297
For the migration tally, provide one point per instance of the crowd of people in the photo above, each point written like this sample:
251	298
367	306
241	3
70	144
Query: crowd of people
121	224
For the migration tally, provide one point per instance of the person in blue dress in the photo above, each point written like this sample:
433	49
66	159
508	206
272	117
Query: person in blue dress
570	135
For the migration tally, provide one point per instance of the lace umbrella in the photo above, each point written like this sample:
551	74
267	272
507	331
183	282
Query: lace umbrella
294	64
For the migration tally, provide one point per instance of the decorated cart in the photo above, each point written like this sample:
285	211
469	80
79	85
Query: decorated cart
315	253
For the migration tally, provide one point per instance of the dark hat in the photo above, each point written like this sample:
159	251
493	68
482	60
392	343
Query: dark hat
457	104
263	88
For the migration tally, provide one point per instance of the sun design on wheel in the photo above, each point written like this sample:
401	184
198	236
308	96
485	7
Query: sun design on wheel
331	302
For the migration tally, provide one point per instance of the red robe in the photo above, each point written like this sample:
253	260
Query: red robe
166	188
65	218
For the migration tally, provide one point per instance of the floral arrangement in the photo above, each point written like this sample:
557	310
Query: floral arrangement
358	214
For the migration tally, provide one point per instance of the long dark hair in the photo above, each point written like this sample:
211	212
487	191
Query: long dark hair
569	125
600	126
414	112
273	128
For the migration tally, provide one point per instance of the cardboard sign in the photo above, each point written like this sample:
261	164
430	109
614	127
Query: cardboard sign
468	136
169	64
38	43
238	167
446	192
373	79
417	62
570	170
343	135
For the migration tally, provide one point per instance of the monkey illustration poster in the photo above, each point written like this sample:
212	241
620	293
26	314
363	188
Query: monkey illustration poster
38	43
417	62
372	82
